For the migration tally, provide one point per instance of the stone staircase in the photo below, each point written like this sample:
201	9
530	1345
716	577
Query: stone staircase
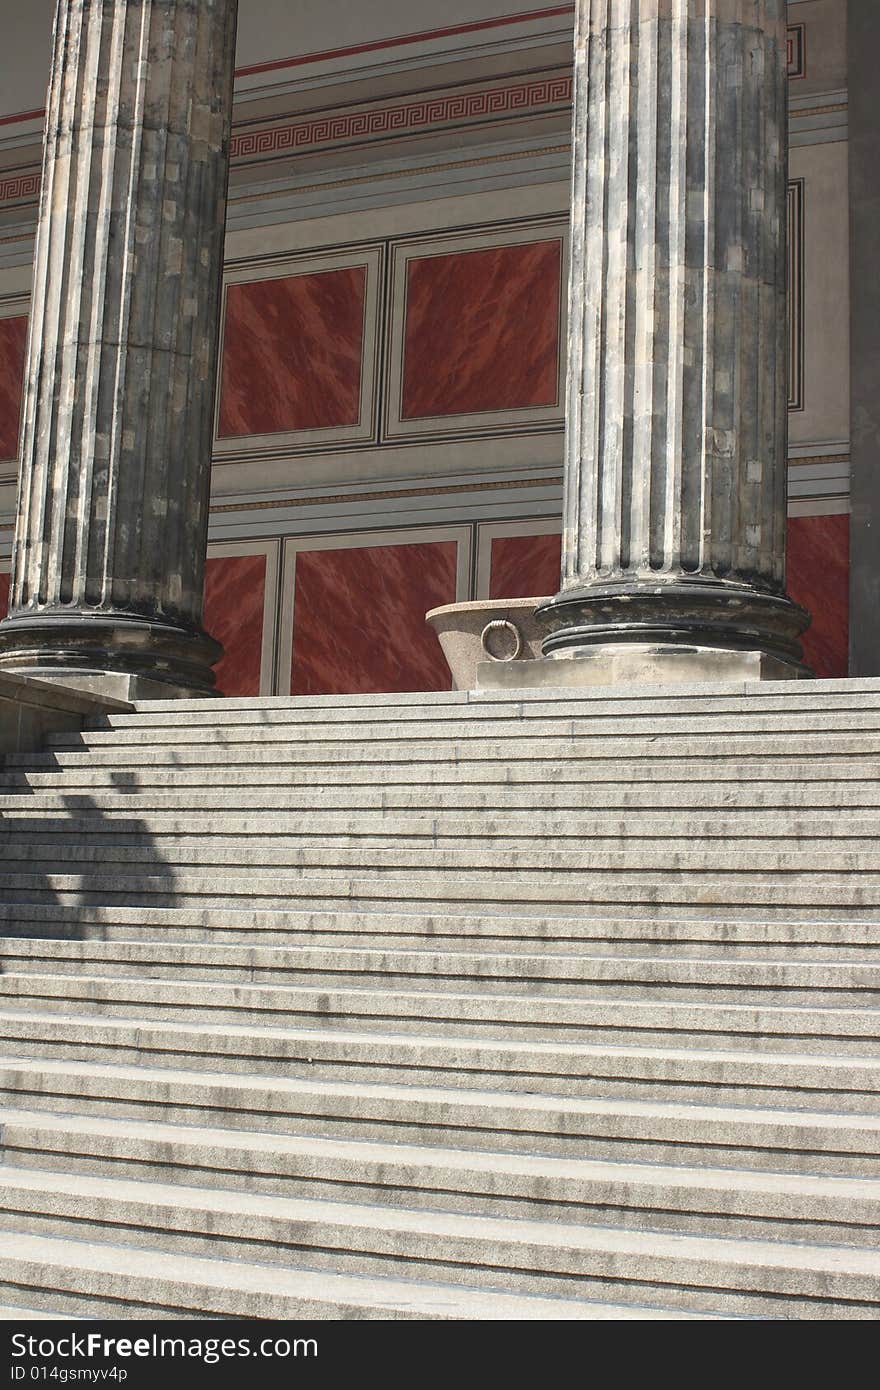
458	1006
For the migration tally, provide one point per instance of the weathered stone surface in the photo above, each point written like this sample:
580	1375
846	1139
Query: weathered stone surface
29	710
113	504
675	504
863	23
612	1049
607	665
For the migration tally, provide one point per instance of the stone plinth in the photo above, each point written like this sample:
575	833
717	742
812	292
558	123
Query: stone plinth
31	709
675	496
625	665
109	558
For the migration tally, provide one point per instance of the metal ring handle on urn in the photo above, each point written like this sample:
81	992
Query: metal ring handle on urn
499	625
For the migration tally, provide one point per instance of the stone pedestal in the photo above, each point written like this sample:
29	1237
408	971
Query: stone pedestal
675	500
623	665
108	569
29	710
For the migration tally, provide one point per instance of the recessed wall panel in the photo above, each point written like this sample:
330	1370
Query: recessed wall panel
13	342
525	566
299	353
241	597
482	330
235	590
477	332
818	578
355	612
293	353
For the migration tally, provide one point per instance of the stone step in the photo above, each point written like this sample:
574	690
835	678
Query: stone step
409	1177
494	782
773	980
731	1076
415	1176
10	1314
585	751
826	897
740	827
592	1018
758	1137
572	995
192	838
625	934
622	703
310	796
523	1255
86	1277
823	693
540	864
470	723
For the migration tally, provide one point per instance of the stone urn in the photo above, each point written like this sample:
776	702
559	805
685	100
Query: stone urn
502	630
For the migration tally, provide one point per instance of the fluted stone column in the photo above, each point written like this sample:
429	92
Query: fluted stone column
109	556
675	505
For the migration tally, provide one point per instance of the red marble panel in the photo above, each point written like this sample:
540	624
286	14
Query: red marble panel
818	577
359	618
292	353
235	589
482	330
13	342
525	566
4	594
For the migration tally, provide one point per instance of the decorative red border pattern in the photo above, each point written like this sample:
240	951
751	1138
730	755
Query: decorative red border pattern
398	41
430	111
414	115
19	186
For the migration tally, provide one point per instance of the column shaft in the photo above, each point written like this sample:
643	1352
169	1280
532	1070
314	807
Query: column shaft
675	500
863	38
109	558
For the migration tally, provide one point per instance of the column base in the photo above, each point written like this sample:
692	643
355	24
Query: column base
633	664
696	614
127	657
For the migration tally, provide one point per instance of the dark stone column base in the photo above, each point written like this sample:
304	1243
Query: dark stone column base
118	654
699	614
